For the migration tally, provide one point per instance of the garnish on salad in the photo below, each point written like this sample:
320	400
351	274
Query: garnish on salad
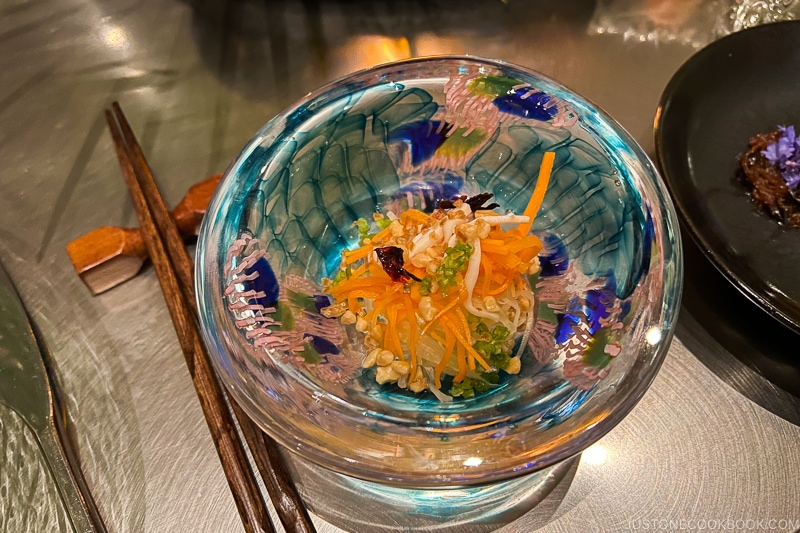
441	299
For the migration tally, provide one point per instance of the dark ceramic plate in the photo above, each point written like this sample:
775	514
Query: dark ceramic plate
735	88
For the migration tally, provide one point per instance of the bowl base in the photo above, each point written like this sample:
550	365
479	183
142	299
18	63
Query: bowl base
362	506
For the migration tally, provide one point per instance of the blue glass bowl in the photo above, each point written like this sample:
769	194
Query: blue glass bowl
408	134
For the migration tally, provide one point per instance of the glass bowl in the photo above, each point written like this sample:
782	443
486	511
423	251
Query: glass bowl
410	134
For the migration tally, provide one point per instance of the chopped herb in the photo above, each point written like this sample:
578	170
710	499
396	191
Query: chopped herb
462	389
500	333
490	345
455	262
470	386
342	275
425	286
363	227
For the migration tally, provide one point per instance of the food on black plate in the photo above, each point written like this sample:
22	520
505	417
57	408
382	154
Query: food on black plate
771	170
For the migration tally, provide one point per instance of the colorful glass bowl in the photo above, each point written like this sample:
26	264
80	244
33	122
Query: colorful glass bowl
409	134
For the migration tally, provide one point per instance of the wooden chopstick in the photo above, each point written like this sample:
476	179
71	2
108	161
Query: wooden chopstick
265	450
251	505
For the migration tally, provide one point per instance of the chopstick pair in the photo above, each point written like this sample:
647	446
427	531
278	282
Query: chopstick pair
174	269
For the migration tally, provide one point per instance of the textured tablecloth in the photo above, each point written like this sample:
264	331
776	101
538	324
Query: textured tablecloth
713	444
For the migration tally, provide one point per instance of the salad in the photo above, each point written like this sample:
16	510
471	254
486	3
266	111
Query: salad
441	299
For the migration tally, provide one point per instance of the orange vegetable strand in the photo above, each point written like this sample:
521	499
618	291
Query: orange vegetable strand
462	364
352	303
495	246
501	289
413	215
360	271
453	325
449	344
538	192
359	253
381	235
439	314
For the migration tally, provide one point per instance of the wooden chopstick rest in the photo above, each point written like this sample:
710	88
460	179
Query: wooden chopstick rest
109	256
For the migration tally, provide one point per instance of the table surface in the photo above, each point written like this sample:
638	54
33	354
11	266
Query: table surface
712	440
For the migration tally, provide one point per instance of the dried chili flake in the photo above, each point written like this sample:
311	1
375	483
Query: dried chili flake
392	261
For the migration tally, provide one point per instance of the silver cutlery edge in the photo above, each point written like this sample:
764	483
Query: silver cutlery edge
29	387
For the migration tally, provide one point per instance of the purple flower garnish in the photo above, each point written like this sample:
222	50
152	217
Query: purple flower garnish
787	133
791	176
785	154
771	153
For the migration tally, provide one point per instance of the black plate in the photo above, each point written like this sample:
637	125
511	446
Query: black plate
744	84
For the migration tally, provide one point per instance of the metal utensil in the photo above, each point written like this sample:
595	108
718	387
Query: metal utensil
25	387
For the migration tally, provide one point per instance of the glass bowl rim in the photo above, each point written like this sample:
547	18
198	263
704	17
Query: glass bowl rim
671	287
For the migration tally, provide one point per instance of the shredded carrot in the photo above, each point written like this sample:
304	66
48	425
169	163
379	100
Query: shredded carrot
496	246
371	282
376	271
464	341
359	253
526	242
499	290
415	294
381	235
497	272
360	271
378	309
462	320
362	293
352	304
462	363
509	261
393	300
438	338
500	276
413	215
528	254
457	300
419	272
538	192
